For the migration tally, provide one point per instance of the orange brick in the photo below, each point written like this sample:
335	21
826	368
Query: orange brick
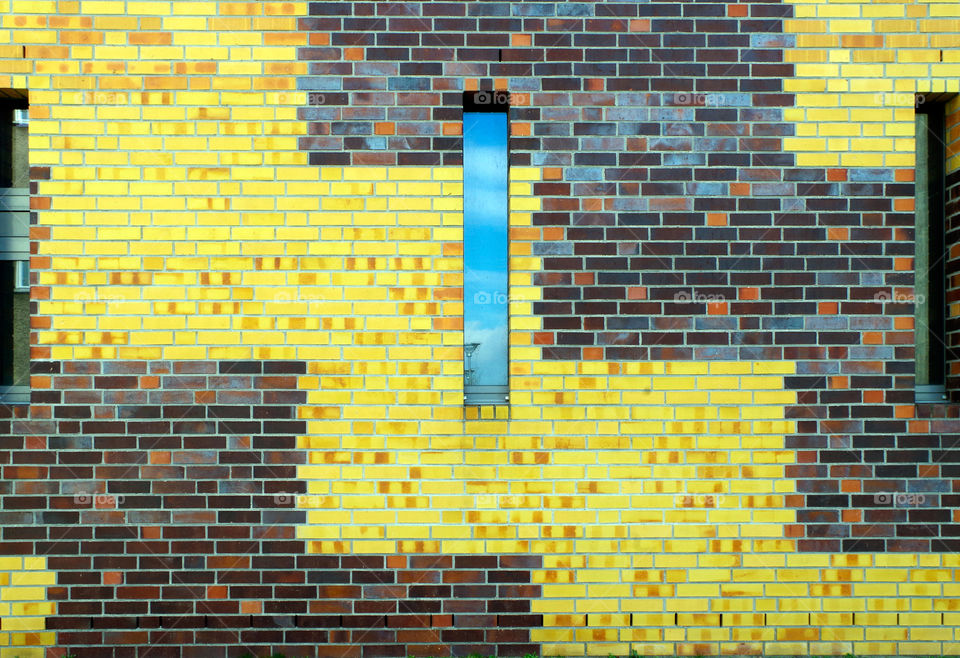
747	294
850	486
839	382
851	515
838	233
529	233
500	84
637	292
384	128
740	189
451	324
160	457
284	39
828	308
593	353
353	54
396	562
39	232
470	84
904	175
903	205
717	219
872	338
903	322
216	591
149	381
583	278
37	411
873	397
319	39
521	40
552	173
519	99
639	24
738	11
929	470
717	308
543	338
453	128
553	233
836	174
112	577
251	607
904	411
903	264
520	129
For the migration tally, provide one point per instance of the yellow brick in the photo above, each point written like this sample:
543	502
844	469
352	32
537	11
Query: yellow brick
22	593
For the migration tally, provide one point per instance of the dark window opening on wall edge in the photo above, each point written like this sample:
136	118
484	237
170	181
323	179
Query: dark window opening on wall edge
937	230
485	250
14	249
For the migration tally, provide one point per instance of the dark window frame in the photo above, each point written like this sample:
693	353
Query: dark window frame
930	282
15	305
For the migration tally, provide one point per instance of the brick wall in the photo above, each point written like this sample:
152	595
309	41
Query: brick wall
247	432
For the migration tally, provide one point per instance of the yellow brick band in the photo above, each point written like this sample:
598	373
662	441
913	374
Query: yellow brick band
278	281
859	69
24	607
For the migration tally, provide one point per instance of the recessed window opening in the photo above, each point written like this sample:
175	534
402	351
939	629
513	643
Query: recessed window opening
485	252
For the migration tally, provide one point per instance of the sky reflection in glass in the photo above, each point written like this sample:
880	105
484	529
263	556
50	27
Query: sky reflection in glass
485	247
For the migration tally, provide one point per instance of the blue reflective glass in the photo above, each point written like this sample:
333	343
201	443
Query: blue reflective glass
485	256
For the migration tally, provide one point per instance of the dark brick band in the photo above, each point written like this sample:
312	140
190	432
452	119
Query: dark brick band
163	494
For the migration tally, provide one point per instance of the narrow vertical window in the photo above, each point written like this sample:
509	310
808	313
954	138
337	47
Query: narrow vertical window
14	255
929	259
485	214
